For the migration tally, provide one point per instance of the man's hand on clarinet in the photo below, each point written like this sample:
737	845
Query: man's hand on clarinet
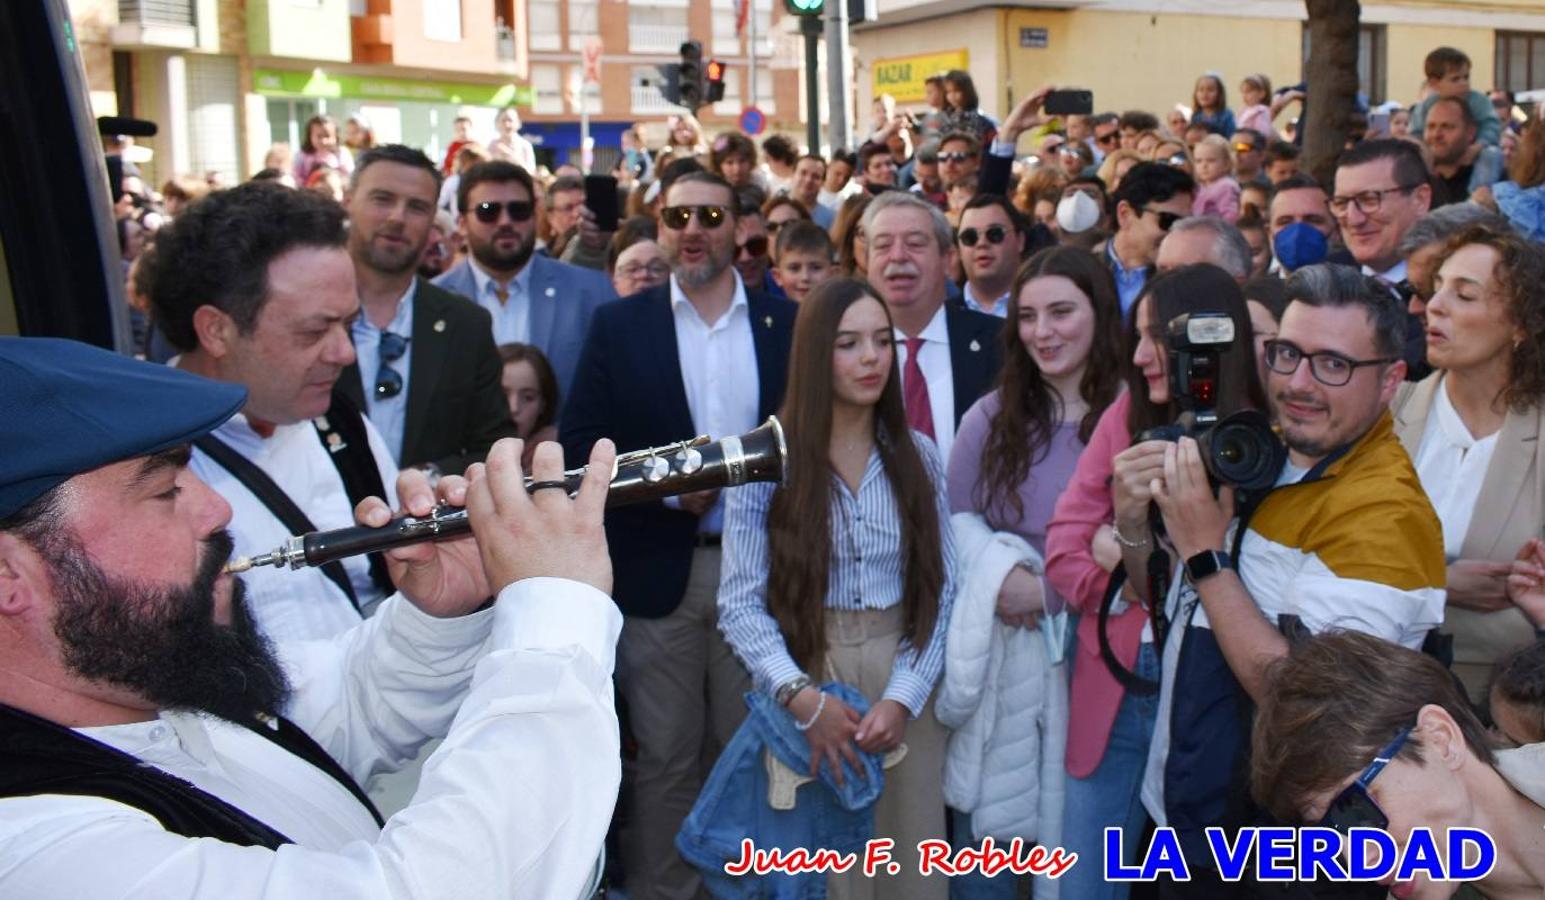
442	578
544	533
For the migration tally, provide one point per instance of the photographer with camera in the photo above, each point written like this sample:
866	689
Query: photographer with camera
1345	540
1111	709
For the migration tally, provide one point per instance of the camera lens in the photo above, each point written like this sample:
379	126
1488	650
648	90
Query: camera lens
1243	451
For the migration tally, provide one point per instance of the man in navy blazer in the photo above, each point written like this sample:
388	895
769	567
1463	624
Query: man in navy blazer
910	243
533	299
701	354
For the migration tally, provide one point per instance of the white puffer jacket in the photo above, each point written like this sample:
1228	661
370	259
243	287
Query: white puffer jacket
1004	694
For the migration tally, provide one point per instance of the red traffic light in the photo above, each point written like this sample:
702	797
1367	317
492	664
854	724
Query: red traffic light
715	70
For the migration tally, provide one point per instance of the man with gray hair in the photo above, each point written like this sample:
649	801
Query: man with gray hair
948	354
1205	239
1425	238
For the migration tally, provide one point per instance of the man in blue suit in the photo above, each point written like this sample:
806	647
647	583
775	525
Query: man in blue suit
702	354
533	299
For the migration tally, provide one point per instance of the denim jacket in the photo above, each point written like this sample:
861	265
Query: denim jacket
734	806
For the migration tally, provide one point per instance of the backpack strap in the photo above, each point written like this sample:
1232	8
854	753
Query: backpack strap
275	500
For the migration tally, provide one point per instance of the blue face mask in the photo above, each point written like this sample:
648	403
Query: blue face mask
1299	245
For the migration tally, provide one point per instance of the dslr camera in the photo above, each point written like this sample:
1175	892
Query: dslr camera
1240	450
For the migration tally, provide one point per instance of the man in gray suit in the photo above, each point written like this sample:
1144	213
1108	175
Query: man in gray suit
532	299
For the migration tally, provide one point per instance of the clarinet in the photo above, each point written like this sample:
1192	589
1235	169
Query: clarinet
637	477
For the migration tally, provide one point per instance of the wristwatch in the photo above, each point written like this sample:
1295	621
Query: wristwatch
1207	564
789	689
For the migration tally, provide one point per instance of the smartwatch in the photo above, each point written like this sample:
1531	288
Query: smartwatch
1207	564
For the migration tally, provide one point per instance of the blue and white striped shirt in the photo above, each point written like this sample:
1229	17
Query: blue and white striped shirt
866	573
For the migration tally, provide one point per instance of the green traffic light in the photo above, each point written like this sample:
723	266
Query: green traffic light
805	7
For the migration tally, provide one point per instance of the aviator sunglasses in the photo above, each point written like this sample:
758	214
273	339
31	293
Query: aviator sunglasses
676	217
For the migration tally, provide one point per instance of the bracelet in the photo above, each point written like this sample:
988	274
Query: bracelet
790	689
1115	531
819	708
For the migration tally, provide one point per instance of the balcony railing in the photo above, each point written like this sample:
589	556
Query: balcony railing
656	38
157	12
504	42
647	101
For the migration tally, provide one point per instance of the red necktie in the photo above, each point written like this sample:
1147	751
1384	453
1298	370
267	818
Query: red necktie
914	389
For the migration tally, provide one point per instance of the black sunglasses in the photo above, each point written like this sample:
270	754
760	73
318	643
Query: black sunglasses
1167	220
676	217
1111	138
488	211
995	234
1355	807
754	246
955	157
388	379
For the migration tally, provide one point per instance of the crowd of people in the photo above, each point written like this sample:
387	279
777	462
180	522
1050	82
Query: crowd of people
1013	573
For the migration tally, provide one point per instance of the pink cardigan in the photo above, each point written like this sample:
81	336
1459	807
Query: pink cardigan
1084	506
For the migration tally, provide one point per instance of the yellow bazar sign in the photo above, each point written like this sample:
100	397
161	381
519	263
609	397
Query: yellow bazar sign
902	76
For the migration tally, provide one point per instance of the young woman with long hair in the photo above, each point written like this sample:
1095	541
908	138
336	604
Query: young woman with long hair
846	572
1101	520
1015	451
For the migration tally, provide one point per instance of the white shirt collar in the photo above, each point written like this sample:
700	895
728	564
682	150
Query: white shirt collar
973	302
1394	274
935	330
738	301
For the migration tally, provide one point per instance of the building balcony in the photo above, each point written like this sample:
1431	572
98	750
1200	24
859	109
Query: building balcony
647	101
657	38
156	24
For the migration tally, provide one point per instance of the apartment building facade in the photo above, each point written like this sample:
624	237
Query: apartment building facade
1147	54
227	79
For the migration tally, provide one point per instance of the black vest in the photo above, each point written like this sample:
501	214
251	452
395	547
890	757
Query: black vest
40	757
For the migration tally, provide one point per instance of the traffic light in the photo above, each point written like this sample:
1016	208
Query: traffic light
670	84
715	91
805	7
689	76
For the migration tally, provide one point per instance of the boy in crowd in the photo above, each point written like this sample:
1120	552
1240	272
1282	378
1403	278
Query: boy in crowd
1448	75
802	259
1281	161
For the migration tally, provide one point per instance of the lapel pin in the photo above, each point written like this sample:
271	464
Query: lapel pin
550	292
439	325
975	346
768	321
335	442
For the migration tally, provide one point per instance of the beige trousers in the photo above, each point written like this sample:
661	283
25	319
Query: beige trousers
861	648
686	697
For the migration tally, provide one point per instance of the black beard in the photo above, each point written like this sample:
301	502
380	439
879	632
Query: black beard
489	254
163	643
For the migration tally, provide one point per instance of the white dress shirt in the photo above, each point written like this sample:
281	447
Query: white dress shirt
1452	465
515	803
298	604
512	318
934	359
719	372
386	413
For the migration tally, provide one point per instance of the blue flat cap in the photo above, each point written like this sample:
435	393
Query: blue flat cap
70	407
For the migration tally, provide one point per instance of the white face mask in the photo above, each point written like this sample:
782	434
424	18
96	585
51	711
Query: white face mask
1077	212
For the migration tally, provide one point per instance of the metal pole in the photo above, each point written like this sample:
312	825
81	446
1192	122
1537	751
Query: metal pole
810	27
838	131
750	99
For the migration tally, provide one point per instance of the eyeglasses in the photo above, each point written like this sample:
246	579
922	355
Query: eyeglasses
954	157
488	211
388	379
1355	807
995	234
1368	202
676	217
1328	367
1167	220
754	246
1243	148
656	269
1177	159
1111	138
